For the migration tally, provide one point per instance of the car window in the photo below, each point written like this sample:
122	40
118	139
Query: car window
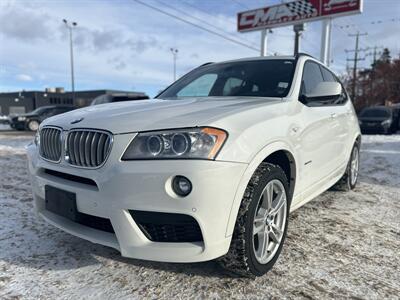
375	113
328	76
101	100
255	78
200	87
232	85
312	76
47	112
61	110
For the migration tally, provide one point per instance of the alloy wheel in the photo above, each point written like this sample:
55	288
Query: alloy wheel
33	125
354	165
269	221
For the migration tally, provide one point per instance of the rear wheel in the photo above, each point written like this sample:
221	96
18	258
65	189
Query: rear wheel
350	177
261	225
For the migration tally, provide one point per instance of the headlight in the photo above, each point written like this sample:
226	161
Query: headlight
21	118
37	138
385	123
194	143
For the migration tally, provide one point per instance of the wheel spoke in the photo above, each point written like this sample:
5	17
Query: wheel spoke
277	230
268	196
259	227
275	237
263	240
280	202
262	213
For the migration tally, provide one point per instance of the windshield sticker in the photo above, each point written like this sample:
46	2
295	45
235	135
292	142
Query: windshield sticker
283	85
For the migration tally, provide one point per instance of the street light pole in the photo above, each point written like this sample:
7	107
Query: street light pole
69	27
174	52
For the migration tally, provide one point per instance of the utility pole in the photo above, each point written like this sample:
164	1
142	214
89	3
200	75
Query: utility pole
355	60
375	54
174	52
70	26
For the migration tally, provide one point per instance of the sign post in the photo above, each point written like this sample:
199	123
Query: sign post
298	29
297	12
264	42
326	41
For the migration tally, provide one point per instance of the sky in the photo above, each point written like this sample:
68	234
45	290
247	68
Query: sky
125	45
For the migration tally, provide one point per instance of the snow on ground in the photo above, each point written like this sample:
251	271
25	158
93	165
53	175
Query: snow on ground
340	245
4	127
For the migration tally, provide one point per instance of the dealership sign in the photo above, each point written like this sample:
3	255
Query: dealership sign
295	12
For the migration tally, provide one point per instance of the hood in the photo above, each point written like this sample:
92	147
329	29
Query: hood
143	115
29	114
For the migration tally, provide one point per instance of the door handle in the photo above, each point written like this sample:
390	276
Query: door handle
333	115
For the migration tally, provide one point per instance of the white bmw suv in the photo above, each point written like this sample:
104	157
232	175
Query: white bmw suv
208	169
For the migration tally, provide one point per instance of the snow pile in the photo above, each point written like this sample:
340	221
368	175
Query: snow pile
12	144
4	127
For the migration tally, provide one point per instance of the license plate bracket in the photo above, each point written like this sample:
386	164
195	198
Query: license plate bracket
60	202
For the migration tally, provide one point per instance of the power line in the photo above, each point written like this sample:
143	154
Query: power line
241	4
375	22
197	26
201	20
206	12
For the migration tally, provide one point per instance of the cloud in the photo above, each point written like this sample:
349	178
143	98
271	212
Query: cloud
103	40
22	24
24	77
124	44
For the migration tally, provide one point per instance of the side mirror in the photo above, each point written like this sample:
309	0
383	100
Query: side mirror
324	91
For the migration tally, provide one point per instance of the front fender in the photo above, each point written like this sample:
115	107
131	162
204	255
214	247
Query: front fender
253	165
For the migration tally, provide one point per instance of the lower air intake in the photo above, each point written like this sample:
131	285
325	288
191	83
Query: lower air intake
167	227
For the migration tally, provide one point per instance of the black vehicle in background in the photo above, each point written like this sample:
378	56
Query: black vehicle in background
32	120
119	97
378	119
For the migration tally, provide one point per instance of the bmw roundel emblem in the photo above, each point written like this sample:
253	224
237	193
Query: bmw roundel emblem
77	121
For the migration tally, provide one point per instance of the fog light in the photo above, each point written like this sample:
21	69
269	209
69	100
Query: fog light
181	186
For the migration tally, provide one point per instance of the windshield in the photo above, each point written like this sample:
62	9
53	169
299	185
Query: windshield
40	110
376	113
100	100
258	78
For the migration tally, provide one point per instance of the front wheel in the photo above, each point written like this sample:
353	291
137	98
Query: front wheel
261	224
33	125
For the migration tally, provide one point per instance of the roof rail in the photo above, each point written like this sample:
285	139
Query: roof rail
207	63
303	54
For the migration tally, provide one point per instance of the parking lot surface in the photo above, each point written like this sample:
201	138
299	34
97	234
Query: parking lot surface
339	245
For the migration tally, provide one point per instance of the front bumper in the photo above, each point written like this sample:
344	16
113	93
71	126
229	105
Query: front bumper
144	186
18	125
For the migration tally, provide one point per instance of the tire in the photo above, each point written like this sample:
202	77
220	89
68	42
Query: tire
245	257
348	182
33	125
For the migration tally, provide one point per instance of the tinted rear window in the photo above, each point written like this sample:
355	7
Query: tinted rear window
376	113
